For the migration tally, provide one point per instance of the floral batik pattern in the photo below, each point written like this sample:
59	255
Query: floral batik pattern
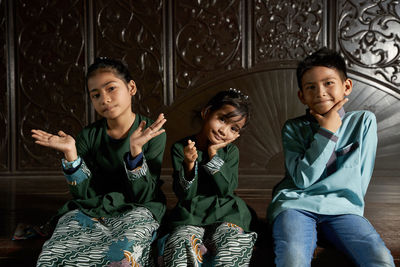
80	240
225	244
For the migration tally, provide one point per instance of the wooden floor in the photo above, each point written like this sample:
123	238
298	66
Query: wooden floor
34	200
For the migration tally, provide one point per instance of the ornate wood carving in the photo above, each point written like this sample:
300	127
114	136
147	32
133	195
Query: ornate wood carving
204	44
208	40
4	126
369	36
368	96
133	31
50	89
287	29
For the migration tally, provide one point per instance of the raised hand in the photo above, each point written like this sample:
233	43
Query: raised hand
213	148
331	120
61	142
141	135
190	156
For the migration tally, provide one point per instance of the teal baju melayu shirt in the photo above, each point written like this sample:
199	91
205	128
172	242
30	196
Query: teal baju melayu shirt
326	173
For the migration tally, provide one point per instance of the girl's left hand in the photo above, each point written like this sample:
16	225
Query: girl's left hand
141	136
212	149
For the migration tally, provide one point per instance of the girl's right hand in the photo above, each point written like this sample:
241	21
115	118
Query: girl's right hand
213	148
190	155
61	142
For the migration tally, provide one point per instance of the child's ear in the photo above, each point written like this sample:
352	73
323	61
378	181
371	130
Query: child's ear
204	112
301	96
132	88
348	86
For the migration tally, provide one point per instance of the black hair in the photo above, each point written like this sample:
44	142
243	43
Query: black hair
323	57
234	98
113	65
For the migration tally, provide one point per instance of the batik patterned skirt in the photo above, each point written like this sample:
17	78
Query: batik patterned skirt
123	240
217	245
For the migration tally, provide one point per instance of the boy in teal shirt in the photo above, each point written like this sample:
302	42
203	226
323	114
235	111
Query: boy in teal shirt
329	160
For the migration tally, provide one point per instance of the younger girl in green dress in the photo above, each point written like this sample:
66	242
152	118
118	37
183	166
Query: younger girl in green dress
209	219
112	169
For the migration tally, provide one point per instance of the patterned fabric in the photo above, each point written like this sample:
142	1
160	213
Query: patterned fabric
214	165
138	172
79	175
123	240
225	244
182	180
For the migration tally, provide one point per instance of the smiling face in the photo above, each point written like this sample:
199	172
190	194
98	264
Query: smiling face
218	127
322	88
111	96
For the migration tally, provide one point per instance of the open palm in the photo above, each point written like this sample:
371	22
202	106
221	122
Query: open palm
61	142
142	135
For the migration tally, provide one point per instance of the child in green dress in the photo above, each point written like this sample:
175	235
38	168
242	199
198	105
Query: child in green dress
209	218
112	169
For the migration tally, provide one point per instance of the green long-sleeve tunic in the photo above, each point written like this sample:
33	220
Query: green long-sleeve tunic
103	186
209	197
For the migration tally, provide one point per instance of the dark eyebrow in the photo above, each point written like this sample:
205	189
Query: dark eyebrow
308	83
103	85
234	122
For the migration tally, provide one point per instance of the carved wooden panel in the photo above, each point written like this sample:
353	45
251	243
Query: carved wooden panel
207	39
132	30
50	89
177	48
385	104
4	125
287	29
369	36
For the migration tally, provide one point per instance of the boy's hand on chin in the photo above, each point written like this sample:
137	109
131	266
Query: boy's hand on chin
330	120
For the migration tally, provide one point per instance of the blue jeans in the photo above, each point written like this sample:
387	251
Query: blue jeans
295	238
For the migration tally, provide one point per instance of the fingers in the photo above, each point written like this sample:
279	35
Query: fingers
62	134
340	104
155	129
158	123
190	151
191	144
317	116
141	125
154	134
41	137
40	133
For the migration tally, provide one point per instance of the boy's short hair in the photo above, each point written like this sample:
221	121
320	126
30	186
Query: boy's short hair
323	57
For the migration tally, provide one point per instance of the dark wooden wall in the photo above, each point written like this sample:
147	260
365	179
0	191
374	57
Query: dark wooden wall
179	53
172	48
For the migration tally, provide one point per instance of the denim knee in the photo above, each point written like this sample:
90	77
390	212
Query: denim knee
292	254
380	256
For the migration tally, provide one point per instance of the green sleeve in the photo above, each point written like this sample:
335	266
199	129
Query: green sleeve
183	188
144	180
225	170
79	189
